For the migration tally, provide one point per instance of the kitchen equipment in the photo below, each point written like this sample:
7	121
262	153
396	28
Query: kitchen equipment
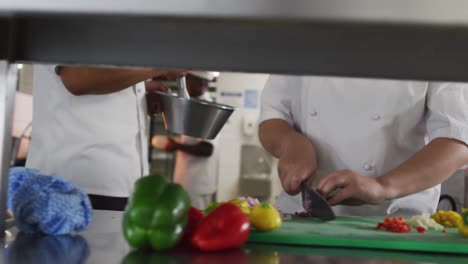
315	204
358	232
188	116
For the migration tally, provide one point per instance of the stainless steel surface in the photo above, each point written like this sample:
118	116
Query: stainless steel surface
182	83
315	204
103	242
406	39
255	172
8	82
192	117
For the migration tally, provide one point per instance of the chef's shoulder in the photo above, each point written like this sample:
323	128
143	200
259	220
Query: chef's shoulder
447	104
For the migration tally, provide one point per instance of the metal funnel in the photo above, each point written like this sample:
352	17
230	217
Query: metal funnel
189	116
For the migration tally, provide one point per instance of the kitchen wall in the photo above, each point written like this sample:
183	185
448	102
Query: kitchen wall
240	90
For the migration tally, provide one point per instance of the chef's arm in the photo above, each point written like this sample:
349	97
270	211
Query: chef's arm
297	159
94	80
201	149
430	166
276	134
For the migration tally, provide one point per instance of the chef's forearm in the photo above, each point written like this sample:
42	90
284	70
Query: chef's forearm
275	135
430	166
94	80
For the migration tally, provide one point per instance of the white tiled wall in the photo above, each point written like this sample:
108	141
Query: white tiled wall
231	136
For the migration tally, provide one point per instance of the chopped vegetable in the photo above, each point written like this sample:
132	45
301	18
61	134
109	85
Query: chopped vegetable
226	227
447	218
303	214
463	227
421	229
264	217
252	201
394	224
424	221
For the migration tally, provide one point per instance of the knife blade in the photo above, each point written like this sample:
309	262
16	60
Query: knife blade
316	205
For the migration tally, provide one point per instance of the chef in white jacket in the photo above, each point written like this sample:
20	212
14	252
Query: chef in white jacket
196	167
90	127
372	147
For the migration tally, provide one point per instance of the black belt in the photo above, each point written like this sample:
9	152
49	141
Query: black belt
101	202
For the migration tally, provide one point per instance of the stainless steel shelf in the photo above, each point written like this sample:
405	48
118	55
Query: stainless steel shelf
398	11
405	39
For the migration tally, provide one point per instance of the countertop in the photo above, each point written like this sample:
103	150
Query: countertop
103	242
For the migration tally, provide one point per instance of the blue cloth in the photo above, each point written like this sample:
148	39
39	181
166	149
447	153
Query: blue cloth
46	204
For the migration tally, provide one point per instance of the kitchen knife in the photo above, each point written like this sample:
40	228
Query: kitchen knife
316	205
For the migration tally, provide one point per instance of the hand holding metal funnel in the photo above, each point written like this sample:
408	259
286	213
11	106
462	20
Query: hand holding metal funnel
188	116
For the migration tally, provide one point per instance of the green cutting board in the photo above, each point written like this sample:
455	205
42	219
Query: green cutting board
358	232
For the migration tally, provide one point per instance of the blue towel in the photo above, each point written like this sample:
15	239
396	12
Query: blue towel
46	204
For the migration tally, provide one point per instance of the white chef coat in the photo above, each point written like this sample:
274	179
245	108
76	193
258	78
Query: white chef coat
367	125
198	175
97	142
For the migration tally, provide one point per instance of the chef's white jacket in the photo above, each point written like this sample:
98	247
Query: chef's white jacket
198	175
367	125
98	142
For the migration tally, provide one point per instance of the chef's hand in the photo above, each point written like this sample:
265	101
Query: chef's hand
356	189
297	164
159	75
168	74
153	86
171	145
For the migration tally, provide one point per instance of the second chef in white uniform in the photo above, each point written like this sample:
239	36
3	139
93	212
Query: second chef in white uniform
196	167
367	138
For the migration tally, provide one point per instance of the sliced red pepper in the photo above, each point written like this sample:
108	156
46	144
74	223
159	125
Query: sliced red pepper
226	227
394	224
421	229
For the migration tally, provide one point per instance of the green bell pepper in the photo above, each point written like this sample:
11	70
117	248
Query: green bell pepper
156	214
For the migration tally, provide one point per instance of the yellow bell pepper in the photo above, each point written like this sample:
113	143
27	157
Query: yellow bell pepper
447	218
463	227
264	217
243	205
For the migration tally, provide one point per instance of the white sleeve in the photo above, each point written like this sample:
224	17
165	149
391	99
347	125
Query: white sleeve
276	100
447	105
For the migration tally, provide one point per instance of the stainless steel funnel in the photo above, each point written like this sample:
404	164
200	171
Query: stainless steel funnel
191	117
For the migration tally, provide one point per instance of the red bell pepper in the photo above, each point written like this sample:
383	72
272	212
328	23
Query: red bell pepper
194	218
226	227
